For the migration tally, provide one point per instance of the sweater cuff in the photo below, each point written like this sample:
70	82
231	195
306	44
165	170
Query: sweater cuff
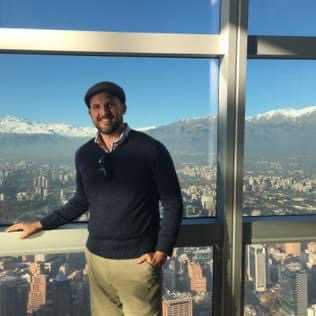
50	221
165	249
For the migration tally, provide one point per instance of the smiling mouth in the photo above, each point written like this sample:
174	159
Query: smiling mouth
105	121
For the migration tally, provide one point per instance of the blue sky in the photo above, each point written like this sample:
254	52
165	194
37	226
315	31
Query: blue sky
159	90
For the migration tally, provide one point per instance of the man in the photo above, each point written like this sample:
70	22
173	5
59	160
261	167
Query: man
121	176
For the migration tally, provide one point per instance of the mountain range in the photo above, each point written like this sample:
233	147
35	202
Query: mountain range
273	135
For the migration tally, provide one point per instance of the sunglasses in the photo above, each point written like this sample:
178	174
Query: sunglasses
104	166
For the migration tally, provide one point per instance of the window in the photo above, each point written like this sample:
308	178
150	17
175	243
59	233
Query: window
58	283
47	121
280	278
280	164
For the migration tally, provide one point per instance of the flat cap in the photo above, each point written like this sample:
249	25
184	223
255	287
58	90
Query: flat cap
105	86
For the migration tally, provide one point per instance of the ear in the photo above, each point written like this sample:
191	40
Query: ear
124	108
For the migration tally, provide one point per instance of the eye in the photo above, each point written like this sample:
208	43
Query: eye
95	106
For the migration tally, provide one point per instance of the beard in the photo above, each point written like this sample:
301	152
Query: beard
110	127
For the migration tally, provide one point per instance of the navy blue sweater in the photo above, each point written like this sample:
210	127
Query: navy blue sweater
124	209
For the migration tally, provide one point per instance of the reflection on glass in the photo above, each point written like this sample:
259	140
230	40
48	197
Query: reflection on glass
280	279
58	284
37	172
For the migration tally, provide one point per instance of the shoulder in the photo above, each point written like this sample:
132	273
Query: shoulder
149	146
85	148
145	140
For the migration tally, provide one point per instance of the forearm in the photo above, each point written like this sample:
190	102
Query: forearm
170	225
168	186
76	206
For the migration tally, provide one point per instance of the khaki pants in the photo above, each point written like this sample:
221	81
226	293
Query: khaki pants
123	287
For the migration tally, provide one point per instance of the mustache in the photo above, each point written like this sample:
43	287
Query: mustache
109	117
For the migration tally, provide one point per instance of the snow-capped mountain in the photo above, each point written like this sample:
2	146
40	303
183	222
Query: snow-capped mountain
273	135
14	125
289	113
145	129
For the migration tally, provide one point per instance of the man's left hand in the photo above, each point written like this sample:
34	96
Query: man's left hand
156	259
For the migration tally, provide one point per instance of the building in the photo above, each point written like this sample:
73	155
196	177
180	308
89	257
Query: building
37	267
257	266
13	296
311	311
311	247
293	248
203	255
177	304
37	295
198	281
61	295
293	289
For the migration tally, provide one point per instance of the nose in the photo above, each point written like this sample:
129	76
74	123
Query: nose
104	110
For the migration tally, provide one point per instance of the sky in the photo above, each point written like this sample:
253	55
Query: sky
159	90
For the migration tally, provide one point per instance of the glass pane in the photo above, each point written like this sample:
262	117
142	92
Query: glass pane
58	284
280	279
188	282
44	285
43	121
282	17
280	159
113	15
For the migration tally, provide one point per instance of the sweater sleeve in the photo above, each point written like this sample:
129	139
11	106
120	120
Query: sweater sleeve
171	199
74	208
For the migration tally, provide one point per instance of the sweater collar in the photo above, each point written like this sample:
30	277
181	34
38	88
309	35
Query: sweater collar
116	143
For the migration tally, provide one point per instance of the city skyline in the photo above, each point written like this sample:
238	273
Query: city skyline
34	282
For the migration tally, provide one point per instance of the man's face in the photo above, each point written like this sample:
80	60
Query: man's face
106	112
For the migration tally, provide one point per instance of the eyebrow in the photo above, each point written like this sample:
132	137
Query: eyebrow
108	101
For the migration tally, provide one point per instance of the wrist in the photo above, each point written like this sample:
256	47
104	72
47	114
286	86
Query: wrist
39	225
161	254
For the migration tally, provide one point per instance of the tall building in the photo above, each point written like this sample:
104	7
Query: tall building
257	266
312	285
61	295
177	304
81	297
293	289
293	248
203	255
198	281
311	311
37	295
311	246
37	267
13	296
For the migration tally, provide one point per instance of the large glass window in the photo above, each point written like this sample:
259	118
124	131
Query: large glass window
113	15
43	121
280	279
57	284
282	17
280	159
